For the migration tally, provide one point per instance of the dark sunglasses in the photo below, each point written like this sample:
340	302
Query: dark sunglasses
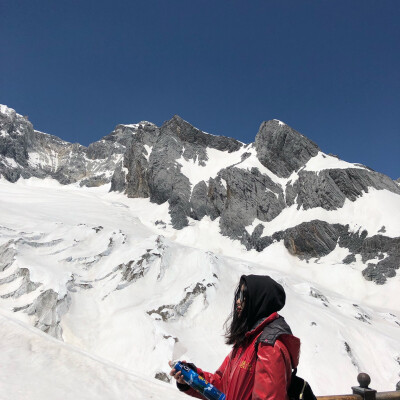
241	296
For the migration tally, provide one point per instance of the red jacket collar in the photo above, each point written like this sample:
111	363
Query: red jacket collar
261	324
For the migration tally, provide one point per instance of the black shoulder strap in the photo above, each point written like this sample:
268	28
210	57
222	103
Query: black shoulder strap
272	331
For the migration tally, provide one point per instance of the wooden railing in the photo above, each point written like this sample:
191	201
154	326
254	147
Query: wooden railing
364	392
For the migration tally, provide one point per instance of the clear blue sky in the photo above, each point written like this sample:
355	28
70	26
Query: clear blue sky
328	68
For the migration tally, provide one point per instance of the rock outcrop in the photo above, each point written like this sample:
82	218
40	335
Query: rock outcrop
316	239
282	149
25	152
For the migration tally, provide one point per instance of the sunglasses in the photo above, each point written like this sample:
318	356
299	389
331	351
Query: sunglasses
240	296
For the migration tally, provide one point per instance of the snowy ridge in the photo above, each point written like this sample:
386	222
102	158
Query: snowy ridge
216	160
27	152
8	111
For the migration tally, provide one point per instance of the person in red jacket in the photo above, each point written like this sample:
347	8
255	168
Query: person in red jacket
264	352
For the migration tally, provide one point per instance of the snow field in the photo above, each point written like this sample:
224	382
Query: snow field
114	331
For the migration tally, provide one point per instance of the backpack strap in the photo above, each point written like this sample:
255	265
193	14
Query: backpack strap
272	331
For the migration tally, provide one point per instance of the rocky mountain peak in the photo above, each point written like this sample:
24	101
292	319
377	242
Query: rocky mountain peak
282	149
181	129
187	133
12	123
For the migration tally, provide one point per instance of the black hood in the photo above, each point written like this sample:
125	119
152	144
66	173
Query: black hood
265	296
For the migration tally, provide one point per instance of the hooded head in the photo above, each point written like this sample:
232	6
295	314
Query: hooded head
264	296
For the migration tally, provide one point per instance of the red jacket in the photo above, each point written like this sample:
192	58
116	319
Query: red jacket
250	374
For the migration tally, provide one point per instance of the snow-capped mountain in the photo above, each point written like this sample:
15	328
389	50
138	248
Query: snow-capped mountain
129	251
25	152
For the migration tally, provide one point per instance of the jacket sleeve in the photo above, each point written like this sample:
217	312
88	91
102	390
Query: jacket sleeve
271	376
215	379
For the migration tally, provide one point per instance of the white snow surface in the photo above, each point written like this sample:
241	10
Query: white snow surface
217	160
136	126
373	211
36	366
8	110
324	161
115	339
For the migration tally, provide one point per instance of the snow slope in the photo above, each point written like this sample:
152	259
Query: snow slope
137	293
35	366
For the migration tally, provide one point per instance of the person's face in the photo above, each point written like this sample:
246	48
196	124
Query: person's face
240	301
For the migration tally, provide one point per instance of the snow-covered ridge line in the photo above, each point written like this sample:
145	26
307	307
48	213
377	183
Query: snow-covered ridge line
137	125
280	122
9	111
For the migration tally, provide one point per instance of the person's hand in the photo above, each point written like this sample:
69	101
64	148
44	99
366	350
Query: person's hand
177	375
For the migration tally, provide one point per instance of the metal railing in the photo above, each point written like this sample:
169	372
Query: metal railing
364	392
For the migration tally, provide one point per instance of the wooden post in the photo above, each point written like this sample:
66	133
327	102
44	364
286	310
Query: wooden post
363	390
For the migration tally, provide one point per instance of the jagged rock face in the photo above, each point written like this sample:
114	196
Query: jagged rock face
48	309
27	153
311	239
158	175
196	140
330	188
247	195
282	149
15	136
317	239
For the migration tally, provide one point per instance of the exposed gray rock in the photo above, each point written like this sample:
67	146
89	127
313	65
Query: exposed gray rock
351	356
89	261
16	136
191	294
169	312
118	180
317	238
165	312
362	315
382	270
208	199
7	255
136	269
188	134
244	196
26	285
249	195
162	376
48	310
349	259
282	149
137	183
159	175
330	188
27	153
311	239
320	296
166	181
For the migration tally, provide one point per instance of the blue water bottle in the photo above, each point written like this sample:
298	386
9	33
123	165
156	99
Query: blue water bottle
197	382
